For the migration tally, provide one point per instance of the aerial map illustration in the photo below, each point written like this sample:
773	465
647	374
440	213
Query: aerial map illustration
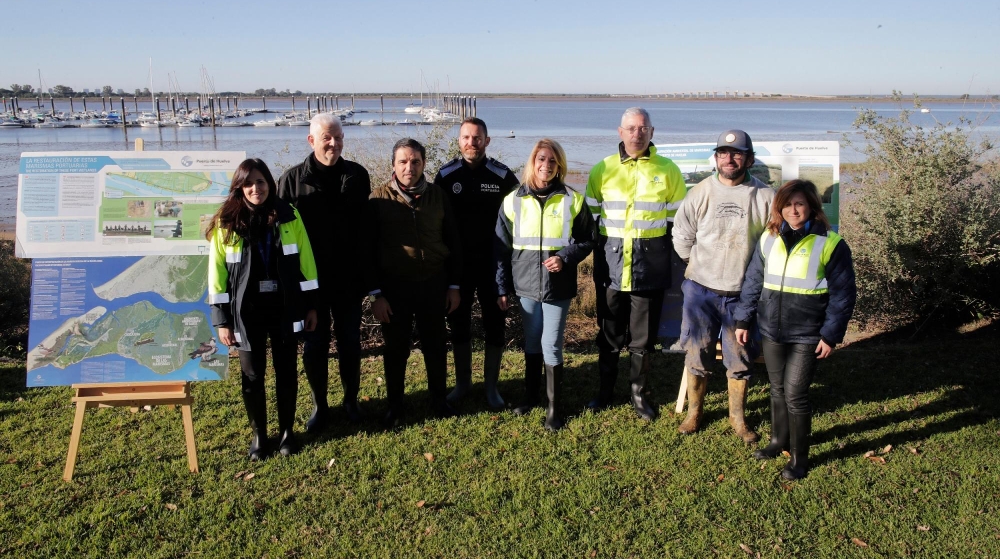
122	319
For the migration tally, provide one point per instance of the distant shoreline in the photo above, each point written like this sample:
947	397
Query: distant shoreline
566	96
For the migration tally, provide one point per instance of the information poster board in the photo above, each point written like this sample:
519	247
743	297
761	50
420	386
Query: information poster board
73	204
122	319
776	163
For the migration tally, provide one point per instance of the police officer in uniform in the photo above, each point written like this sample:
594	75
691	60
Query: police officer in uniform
476	186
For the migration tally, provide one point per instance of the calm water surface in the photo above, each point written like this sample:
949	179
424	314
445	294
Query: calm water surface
585	128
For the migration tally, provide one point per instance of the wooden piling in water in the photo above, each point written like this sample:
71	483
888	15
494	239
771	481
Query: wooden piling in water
337	99
187	106
124	119
381	102
135	103
104	104
293	103
473	106
156	103
263	101
173	107
309	107
52	103
211	110
352	101
71	111
85	104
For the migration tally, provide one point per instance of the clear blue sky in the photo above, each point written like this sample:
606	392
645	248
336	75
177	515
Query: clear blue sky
510	46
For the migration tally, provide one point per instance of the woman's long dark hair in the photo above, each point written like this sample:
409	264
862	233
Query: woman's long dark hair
235	212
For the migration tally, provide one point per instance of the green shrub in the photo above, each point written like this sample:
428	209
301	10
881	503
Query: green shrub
923	221
15	293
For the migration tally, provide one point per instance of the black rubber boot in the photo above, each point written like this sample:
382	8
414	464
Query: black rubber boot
256	408
286	395
553	388
395	388
639	377
491	374
350	379
779	431
799	427
607	367
318	375
463	372
532	382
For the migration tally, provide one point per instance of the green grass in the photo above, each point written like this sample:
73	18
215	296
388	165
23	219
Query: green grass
608	485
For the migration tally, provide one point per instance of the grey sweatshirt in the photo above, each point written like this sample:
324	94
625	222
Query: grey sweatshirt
717	227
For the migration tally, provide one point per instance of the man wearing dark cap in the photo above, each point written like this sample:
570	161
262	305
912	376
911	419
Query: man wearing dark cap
715	231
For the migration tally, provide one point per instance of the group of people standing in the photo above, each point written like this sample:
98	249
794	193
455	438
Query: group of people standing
300	255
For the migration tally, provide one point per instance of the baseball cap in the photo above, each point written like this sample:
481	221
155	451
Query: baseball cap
736	139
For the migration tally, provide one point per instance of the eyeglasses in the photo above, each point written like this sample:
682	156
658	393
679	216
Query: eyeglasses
735	155
634	129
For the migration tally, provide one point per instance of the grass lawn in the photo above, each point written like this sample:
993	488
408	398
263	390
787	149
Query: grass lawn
493	484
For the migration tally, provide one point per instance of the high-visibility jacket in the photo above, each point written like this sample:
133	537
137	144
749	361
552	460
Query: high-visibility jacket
229	274
802	294
633	202
529	231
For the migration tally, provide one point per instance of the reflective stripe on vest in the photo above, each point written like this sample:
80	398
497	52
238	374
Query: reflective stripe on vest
801	271
648	218
542	228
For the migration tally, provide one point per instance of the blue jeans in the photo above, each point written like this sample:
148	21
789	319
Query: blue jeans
544	328
707	317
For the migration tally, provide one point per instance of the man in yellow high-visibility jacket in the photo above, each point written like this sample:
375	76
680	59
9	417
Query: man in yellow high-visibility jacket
633	196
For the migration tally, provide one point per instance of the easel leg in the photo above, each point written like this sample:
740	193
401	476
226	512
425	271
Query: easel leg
682	393
74	441
192	452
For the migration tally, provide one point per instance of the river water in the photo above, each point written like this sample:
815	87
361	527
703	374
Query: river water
587	129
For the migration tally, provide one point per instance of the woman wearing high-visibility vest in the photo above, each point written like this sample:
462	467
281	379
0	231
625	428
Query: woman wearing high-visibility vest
543	231
261	278
800	287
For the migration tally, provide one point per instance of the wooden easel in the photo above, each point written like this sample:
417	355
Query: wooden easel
134	395
682	393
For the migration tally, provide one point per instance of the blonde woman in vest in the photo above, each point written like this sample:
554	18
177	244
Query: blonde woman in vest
261	283
543	231
800	288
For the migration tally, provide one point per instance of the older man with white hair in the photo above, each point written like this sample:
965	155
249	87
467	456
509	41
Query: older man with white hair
633	196
331	194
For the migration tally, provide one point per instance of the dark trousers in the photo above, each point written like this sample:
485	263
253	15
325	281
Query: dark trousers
253	363
790	368
628	317
421	302
494	319
345	312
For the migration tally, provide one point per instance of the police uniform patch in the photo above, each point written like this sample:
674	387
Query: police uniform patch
456	188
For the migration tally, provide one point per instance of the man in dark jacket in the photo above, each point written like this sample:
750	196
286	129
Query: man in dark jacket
331	194
413	274
476	185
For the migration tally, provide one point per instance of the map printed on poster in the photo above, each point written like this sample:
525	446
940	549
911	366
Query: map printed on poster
775	164
122	319
73	204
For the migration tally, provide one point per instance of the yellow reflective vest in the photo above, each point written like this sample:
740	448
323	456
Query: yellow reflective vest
801	270
633	202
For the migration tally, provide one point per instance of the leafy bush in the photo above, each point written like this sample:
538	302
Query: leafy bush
923	221
15	293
